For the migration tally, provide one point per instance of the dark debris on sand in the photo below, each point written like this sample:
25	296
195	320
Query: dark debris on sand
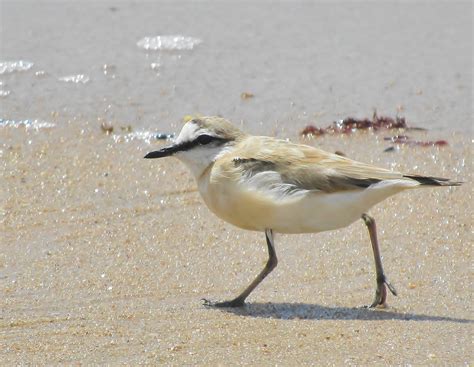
352	124
403	139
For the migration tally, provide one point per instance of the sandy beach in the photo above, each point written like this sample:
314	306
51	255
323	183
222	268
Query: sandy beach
105	256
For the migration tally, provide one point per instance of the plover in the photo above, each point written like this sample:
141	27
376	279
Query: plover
270	185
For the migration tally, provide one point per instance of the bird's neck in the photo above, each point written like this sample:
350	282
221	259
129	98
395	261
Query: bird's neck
200	161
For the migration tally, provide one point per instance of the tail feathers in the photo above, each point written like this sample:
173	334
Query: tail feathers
433	181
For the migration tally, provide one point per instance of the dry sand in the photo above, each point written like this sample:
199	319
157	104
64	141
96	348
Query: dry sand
104	258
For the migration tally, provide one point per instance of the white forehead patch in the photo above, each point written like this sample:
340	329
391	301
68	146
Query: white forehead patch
198	158
189	132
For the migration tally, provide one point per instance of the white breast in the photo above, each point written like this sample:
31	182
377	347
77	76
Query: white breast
302	211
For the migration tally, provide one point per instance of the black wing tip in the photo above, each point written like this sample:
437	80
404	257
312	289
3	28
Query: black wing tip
434	181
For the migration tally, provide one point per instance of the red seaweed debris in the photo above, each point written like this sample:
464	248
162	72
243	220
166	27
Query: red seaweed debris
403	139
351	124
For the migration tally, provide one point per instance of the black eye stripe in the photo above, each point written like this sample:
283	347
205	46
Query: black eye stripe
203	139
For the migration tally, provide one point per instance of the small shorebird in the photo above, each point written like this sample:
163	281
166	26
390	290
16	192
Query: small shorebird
264	184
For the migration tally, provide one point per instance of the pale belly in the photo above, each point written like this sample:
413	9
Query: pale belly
308	212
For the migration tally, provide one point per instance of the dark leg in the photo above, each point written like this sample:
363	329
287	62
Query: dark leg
271	264
382	281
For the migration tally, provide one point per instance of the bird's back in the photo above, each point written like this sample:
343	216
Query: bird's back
268	183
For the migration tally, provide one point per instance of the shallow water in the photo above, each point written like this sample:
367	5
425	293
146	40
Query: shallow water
304	63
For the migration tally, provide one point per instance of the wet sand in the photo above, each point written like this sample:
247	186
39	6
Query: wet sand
105	257
310	61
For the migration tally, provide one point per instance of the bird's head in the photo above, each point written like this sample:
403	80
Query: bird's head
200	142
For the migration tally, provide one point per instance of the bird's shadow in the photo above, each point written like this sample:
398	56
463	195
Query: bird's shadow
305	311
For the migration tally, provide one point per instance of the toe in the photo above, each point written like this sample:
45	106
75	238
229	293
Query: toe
234	303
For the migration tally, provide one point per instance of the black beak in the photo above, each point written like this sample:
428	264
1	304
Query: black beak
164	152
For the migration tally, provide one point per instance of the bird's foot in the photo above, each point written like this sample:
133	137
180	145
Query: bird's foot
237	302
381	292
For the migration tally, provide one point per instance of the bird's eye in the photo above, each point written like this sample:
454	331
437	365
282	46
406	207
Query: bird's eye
204	139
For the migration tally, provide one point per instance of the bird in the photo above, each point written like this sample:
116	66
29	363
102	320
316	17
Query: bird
271	185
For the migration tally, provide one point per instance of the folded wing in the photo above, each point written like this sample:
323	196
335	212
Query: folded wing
269	163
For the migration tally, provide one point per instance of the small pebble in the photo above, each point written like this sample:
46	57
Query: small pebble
107	127
246	95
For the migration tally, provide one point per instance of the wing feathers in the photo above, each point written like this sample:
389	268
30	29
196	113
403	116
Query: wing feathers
301	167
433	181
272	164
